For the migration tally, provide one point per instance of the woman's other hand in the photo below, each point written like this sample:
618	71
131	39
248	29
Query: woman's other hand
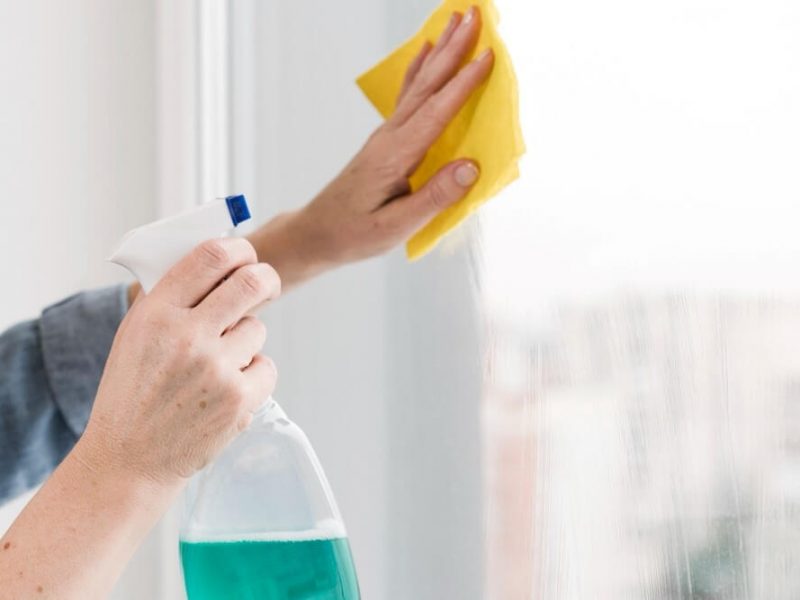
369	208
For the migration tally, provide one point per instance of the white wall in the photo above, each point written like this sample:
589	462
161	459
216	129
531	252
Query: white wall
77	143
77	147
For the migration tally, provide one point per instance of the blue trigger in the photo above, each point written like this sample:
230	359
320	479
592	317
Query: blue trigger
237	206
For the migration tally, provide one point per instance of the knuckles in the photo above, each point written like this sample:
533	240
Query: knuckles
438	194
221	254
424	85
259	281
213	254
272	370
253	281
256	325
430	117
264	384
261	331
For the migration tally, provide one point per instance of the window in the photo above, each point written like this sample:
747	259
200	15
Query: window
640	294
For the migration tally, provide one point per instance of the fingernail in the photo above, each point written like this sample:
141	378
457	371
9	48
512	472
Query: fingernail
466	174
451	25
485	54
452	21
470	15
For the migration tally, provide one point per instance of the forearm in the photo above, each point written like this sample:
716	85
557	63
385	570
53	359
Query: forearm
294	244
79	531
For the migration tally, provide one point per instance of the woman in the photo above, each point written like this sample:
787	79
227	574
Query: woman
184	373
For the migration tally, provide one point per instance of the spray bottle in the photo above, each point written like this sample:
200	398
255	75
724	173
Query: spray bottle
261	521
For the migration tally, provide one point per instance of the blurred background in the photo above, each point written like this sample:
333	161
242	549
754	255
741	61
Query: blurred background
591	391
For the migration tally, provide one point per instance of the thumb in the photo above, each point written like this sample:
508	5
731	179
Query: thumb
452	183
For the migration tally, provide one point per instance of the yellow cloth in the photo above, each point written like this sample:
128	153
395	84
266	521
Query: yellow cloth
486	130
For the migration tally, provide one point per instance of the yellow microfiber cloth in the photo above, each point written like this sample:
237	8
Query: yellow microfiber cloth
486	130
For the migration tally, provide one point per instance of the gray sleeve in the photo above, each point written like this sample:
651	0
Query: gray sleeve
49	372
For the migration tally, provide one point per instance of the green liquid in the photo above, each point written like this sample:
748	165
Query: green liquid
269	570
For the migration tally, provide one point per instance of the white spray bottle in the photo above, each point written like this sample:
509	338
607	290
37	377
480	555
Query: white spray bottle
261	521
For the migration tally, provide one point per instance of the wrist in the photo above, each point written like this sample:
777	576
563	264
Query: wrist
296	245
110	470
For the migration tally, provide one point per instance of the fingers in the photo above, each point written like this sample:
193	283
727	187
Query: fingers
191	279
452	183
452	25
457	42
248	287
244	340
415	67
260	379
430	121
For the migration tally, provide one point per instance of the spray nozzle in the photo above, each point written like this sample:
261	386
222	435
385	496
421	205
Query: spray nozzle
150	251
237	206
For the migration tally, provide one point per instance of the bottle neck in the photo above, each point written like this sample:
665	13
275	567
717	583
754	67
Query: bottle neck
270	412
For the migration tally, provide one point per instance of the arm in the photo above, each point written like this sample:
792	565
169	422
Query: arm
87	520
184	376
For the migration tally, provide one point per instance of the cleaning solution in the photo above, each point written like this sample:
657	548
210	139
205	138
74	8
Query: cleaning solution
261	522
285	539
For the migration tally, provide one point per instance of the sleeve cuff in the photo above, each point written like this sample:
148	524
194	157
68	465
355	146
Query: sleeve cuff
76	338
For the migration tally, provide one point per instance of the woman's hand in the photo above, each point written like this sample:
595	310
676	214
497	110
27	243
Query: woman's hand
185	375
369	208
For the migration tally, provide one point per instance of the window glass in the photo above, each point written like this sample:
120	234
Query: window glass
639	286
